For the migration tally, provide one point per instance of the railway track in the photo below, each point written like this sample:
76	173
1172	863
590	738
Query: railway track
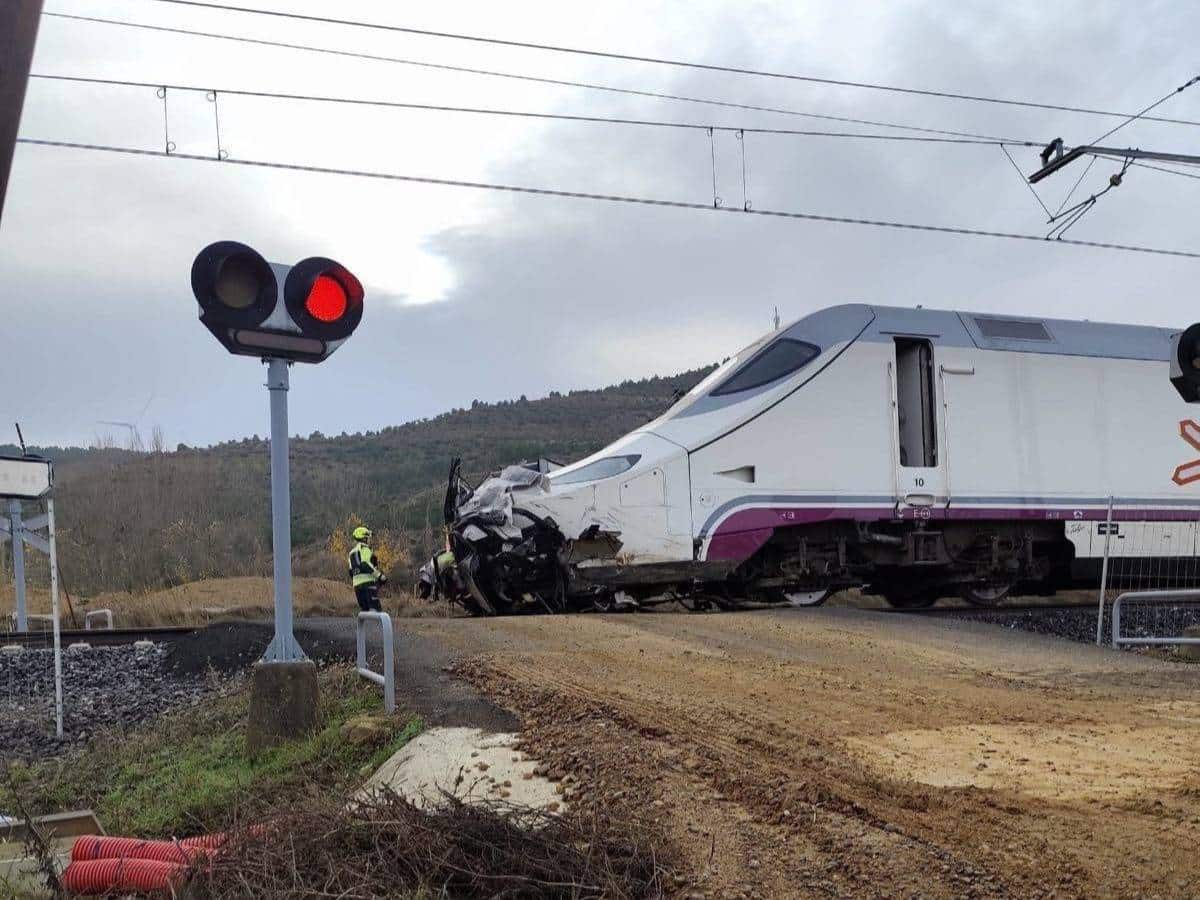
969	611
979	611
98	637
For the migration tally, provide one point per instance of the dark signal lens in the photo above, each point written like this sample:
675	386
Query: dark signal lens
326	301
237	283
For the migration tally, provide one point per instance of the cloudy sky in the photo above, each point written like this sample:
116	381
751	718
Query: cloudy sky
476	294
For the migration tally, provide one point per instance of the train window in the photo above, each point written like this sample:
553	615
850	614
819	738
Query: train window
601	468
915	409
1012	329
776	360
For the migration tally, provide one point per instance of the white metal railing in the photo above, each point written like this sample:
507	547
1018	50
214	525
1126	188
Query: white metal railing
388	679
1152	597
106	614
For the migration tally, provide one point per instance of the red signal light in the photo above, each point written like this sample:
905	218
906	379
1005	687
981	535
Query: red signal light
323	298
326	301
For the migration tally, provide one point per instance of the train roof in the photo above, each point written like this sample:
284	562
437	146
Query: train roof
840	326
985	331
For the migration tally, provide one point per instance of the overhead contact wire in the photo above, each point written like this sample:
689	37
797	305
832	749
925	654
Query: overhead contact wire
1142	115
613	198
656	60
488	111
559	82
1025	181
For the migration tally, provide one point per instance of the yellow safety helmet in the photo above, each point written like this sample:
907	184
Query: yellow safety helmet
362	533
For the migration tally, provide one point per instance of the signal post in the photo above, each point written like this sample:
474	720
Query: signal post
239	296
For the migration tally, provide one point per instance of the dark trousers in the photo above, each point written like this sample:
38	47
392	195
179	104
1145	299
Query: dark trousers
368	597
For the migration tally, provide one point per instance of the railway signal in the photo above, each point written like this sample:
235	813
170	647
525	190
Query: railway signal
239	293
1185	363
281	315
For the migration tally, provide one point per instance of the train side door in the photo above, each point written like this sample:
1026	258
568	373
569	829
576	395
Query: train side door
917	452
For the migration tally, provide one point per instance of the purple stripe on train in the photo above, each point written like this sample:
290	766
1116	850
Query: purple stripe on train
741	534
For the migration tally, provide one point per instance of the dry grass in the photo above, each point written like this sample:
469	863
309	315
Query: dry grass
216	599
387	847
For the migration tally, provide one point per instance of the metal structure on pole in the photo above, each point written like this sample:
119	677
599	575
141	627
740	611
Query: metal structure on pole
1054	158
283	647
18	33
1104	570
58	675
16	529
32	478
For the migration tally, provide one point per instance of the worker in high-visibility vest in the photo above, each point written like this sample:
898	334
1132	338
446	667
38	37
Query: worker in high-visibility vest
439	576
365	574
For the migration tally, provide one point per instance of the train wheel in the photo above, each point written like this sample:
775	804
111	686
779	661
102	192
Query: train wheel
986	594
806	598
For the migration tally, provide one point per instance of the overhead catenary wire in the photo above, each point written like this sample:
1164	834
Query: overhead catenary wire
656	60
1143	165
559	82
488	111
611	198
1142	115
1074	187
1025	181
1075	213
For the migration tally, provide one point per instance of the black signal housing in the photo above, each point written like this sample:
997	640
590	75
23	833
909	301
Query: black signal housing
239	291
1185	363
234	285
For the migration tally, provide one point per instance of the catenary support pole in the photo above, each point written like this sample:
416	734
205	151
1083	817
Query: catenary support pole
1104	571
283	647
58	675
18	32
18	555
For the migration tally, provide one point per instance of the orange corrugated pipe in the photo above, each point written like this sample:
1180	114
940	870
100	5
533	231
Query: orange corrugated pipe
90	848
105	865
99	877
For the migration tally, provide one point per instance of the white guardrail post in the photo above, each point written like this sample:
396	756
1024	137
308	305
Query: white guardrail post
95	614
1117	640
388	679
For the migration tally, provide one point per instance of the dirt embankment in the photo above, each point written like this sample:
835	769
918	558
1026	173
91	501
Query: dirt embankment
847	753
224	599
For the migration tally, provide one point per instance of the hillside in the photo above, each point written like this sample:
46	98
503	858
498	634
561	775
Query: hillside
142	521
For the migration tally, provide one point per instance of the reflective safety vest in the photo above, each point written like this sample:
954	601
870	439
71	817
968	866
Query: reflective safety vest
363	570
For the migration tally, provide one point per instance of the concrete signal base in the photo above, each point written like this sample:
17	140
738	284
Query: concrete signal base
283	703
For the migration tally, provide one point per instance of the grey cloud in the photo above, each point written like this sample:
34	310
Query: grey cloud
555	294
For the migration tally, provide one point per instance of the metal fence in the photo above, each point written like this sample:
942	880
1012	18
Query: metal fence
1155	617
1149	557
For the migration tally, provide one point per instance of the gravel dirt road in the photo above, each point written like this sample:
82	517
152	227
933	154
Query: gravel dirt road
847	753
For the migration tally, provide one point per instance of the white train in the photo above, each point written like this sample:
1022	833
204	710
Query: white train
914	453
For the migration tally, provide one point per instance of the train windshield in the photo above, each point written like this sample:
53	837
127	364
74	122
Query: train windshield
775	361
601	468
754	366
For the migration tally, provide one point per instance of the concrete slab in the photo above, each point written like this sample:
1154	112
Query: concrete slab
468	763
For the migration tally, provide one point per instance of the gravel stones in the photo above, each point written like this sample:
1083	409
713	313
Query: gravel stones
103	687
1079	623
